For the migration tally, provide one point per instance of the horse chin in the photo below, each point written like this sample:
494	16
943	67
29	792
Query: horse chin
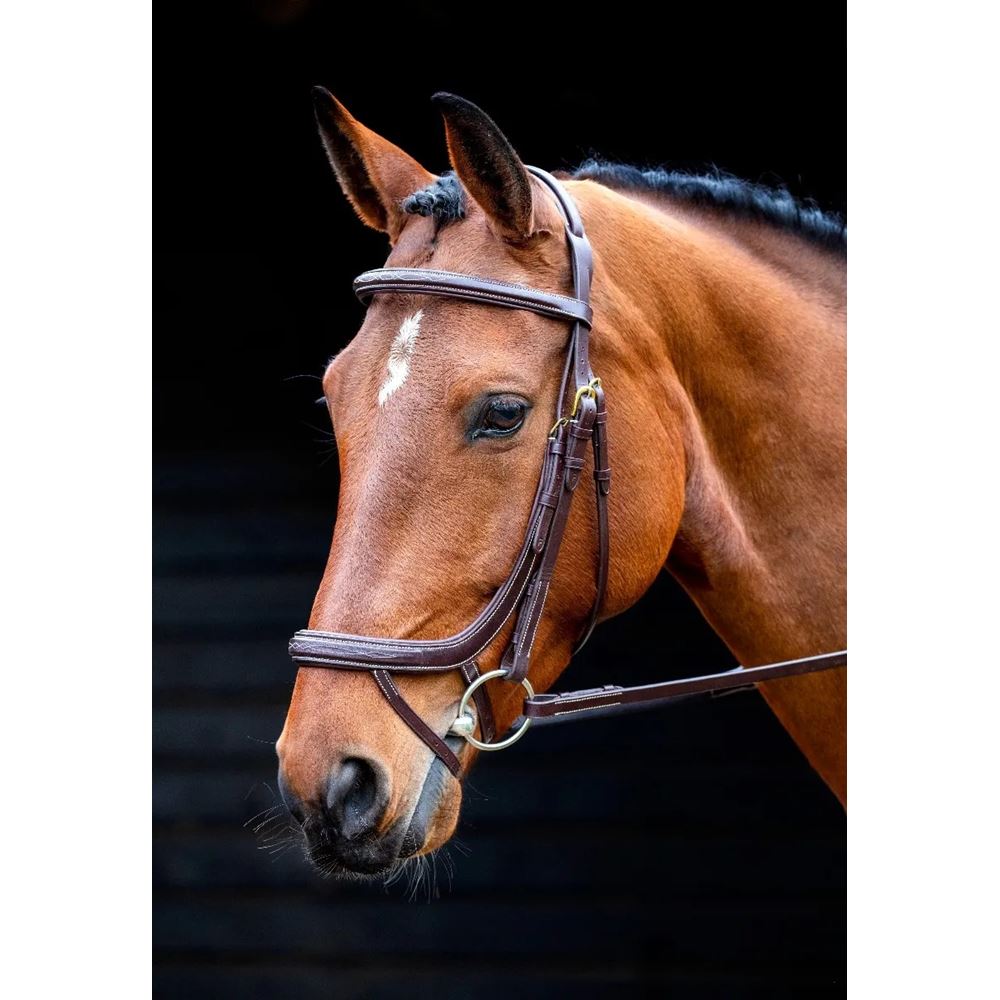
358	867
435	815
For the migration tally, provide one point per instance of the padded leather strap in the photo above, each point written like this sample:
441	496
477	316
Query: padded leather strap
454	285
315	648
568	446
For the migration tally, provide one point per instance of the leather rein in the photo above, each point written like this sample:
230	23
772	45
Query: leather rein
581	419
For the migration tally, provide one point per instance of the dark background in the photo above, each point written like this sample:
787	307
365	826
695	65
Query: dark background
689	853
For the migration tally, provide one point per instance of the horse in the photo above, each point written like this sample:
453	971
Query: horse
719	314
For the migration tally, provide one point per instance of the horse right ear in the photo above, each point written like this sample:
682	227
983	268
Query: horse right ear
375	175
487	166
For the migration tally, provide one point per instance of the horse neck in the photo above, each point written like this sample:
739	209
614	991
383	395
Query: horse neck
747	332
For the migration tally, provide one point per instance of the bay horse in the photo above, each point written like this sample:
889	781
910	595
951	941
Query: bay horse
719	332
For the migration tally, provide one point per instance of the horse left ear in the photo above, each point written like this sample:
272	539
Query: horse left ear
488	167
374	174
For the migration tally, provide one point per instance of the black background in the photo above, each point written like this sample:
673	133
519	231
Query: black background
689	853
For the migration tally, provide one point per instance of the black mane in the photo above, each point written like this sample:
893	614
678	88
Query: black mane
444	200
775	206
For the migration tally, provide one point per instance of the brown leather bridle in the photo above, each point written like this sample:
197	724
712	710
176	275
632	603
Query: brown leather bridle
581	419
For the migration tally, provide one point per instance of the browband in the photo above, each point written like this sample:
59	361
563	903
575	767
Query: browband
468	286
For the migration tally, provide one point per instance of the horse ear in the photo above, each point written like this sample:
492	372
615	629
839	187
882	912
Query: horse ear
374	174
488	167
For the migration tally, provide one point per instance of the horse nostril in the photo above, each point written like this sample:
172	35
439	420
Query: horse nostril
354	797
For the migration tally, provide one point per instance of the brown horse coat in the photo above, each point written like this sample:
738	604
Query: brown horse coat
721	345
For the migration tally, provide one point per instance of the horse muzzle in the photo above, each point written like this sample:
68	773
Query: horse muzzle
346	826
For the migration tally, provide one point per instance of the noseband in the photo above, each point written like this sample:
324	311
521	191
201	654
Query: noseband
580	421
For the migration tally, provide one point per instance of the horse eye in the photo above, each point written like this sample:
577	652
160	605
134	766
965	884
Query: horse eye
500	417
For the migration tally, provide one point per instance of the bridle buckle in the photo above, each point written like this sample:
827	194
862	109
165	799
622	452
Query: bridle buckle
589	390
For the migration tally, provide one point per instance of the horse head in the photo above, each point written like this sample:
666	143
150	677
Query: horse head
441	410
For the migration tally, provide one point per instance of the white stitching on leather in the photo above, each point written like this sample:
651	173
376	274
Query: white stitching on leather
596	694
415	668
407	645
410	276
540	604
585	708
533	303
